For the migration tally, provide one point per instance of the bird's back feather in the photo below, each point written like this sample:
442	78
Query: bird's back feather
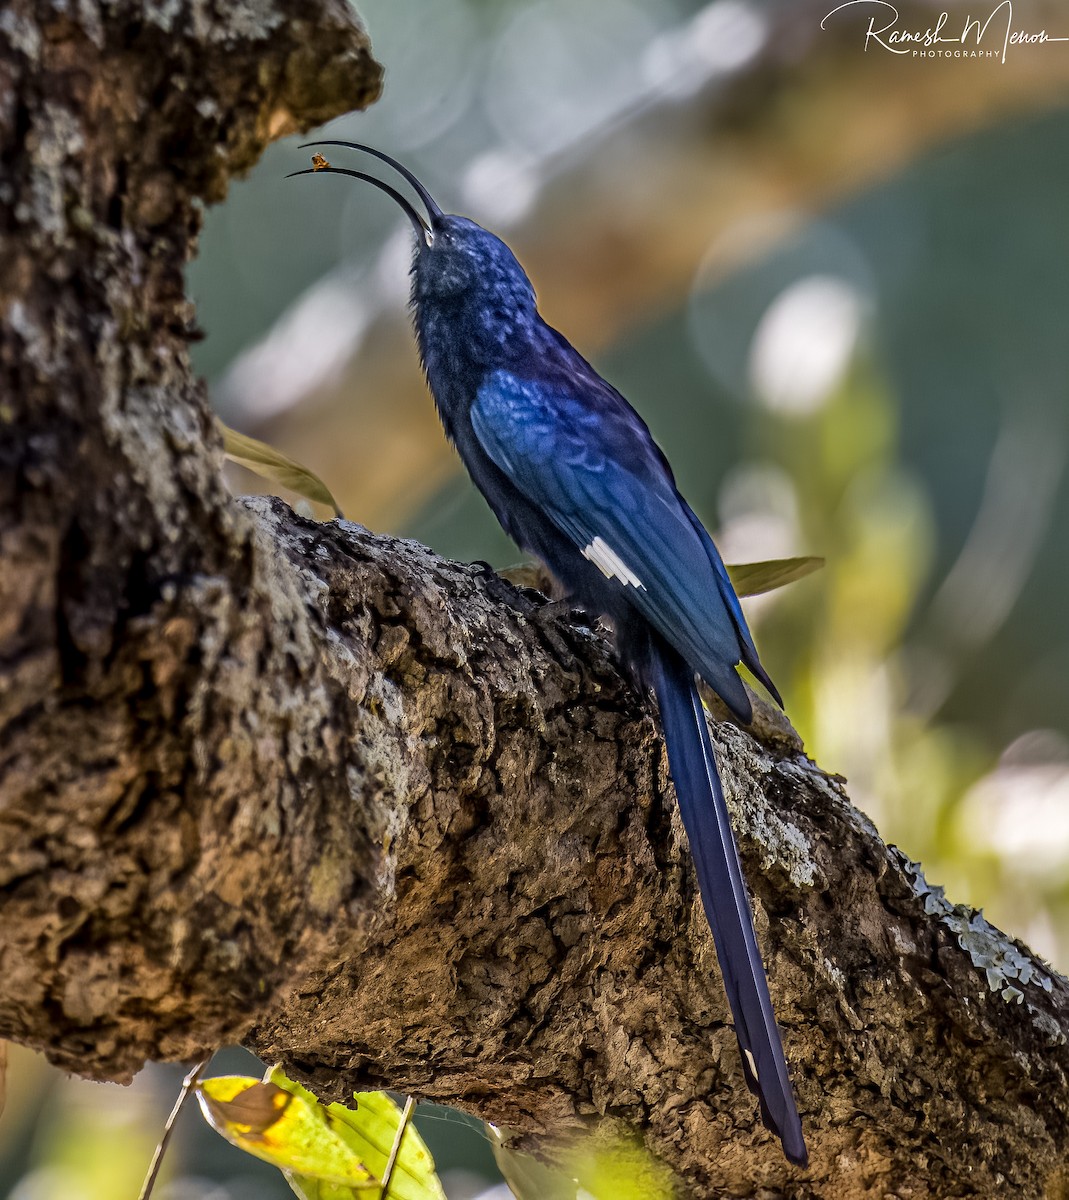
596	473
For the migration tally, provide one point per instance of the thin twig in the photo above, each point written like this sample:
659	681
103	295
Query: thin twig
391	1162
188	1084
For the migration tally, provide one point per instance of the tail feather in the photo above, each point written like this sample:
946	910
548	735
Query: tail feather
724	896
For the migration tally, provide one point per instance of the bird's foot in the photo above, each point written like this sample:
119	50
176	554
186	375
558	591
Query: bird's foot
567	610
499	588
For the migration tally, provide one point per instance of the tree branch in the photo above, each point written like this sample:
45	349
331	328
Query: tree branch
383	816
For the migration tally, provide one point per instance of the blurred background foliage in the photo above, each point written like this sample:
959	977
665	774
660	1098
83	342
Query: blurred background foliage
834	283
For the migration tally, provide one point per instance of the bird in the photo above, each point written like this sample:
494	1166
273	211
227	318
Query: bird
575	478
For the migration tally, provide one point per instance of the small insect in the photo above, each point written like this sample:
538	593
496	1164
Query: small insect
319	163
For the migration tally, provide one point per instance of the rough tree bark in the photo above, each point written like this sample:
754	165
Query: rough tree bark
378	815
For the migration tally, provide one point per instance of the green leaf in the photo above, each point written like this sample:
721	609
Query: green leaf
370	1130
274	466
751	579
326	1152
609	1163
748	579
527	1177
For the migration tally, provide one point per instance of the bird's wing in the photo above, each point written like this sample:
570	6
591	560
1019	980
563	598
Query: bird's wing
596	473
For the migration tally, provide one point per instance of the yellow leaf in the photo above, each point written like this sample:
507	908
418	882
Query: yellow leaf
274	466
326	1152
751	579
283	1129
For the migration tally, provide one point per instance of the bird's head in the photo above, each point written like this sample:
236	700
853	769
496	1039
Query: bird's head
458	265
461	262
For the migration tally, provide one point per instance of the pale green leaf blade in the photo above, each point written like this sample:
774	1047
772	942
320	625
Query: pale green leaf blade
274	466
619	1167
369	1130
608	1163
308	1188
751	579
529	1179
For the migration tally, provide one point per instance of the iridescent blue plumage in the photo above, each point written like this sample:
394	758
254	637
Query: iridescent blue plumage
574	476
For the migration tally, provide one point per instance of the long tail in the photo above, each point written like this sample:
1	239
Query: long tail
727	905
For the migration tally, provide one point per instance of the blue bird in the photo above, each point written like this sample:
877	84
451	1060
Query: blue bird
574	476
